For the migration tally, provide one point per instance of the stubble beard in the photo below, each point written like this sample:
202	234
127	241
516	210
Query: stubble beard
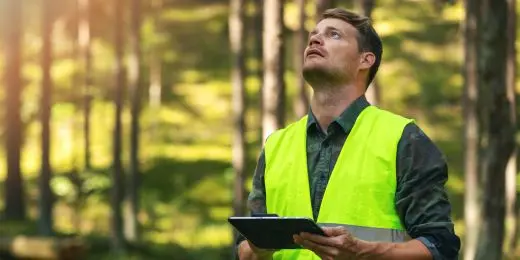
320	77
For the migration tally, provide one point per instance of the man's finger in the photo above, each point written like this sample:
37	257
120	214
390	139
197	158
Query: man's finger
321	250
258	250
327	241
335	231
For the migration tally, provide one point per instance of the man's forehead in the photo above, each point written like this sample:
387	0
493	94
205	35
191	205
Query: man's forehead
335	23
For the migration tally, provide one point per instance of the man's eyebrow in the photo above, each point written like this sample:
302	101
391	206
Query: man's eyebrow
328	28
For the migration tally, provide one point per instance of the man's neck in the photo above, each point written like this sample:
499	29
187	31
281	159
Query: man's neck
327	104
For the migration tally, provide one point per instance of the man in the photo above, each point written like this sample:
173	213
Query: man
372	179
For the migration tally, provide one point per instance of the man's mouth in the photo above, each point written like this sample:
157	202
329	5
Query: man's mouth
314	52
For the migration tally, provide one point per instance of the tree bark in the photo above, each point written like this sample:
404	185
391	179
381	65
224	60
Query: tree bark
46	199
274	84
322	5
367	7
259	53
498	130
301	106
117	175
372	93
14	191
237	41
471	128
155	62
511	212
85	50
132	224
155	81
155	88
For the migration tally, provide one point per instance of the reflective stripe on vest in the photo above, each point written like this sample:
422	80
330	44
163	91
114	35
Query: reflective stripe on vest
373	234
361	190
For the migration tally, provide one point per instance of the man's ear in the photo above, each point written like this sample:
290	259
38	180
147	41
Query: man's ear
367	60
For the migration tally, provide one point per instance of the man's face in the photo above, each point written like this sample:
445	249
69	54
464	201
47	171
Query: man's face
332	52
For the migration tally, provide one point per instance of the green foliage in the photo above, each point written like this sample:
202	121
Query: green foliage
187	178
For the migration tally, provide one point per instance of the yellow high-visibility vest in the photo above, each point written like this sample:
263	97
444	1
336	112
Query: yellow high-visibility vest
361	190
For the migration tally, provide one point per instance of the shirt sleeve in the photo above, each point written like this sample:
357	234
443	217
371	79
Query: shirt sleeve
256	202
421	198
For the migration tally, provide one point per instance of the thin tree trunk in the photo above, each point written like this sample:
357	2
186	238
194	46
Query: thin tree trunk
155	88
259	53
155	81
471	129
372	93
511	211
117	176
14	197
274	84
237	41
499	130
84	45
132	227
45	219
301	106
322	5
367	6
155	62
73	121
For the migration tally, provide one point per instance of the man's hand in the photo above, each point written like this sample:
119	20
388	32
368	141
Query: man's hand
342	245
248	251
339	244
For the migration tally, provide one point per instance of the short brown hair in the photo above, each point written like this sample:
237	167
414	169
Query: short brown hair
368	40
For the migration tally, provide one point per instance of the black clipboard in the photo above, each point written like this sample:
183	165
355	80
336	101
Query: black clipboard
273	232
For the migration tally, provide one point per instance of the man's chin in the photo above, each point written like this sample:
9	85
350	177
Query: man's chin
314	73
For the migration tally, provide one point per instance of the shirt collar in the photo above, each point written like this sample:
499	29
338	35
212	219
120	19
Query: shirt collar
347	118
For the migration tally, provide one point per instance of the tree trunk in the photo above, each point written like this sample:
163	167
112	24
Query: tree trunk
274	84
155	61
237	41
155	88
322	5
46	199
132	223
155	81
471	129
258	30
117	176
511	211
14	191
84	45
372	93
498	130
301	106
367	6
73	121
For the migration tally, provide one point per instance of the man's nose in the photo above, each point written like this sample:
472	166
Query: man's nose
316	39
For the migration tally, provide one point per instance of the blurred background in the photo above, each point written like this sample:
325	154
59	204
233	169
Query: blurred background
131	128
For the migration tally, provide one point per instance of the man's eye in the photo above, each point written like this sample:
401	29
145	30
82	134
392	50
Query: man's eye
334	35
